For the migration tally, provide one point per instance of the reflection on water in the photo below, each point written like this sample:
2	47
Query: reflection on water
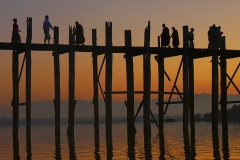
16	147
71	145
58	147
225	149
29	147
215	142
178	145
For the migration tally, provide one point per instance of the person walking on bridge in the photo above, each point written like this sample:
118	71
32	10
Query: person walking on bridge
46	27
80	39
191	38
175	38
15	32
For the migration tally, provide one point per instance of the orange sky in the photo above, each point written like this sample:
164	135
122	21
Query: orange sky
125	15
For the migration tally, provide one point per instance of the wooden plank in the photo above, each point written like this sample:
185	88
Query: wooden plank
57	91
95	89
71	95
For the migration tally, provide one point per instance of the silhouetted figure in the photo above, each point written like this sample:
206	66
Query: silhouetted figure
219	36
191	38
165	36
80	39
15	32
175	38
210	36
46	27
214	37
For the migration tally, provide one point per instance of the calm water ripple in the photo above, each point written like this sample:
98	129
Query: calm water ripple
81	146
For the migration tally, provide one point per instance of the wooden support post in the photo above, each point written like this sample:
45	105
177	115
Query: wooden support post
71	101
28	76
130	83
28	86
108	85
15	102
57	99
147	95
147	80
95	89
161	102
215	86
224	112
185	79
191	105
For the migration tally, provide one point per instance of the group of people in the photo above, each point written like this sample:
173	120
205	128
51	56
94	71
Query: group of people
79	33
165	37
214	37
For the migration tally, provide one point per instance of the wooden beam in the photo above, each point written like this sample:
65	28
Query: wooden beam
185	80
161	72
95	89
71	101
57	91
15	81
147	81
223	69
130	84
108	85
28	87
215	84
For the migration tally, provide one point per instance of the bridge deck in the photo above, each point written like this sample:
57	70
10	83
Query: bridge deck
165	52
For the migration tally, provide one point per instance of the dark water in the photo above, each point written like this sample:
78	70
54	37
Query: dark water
177	145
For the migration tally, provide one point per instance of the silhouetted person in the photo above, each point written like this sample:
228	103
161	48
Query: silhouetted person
46	27
15	32
165	36
210	37
191	38
219	36
80	39
175	38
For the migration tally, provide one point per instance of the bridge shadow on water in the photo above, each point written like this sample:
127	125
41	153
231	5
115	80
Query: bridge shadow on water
131	150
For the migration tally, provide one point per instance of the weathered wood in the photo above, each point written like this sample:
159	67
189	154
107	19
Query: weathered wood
161	72
57	91
185	79
191	94
71	101
147	81
108	85
95	89
130	84
224	112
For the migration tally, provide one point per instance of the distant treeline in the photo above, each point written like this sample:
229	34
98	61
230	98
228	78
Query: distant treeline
233	114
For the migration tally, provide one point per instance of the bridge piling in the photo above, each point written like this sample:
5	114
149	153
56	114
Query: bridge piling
108	86
71	86
57	91
95	89
160	61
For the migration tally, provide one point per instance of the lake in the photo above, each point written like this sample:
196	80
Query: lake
82	145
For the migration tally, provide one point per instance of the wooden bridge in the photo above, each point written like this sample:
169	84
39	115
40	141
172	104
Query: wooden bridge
219	58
